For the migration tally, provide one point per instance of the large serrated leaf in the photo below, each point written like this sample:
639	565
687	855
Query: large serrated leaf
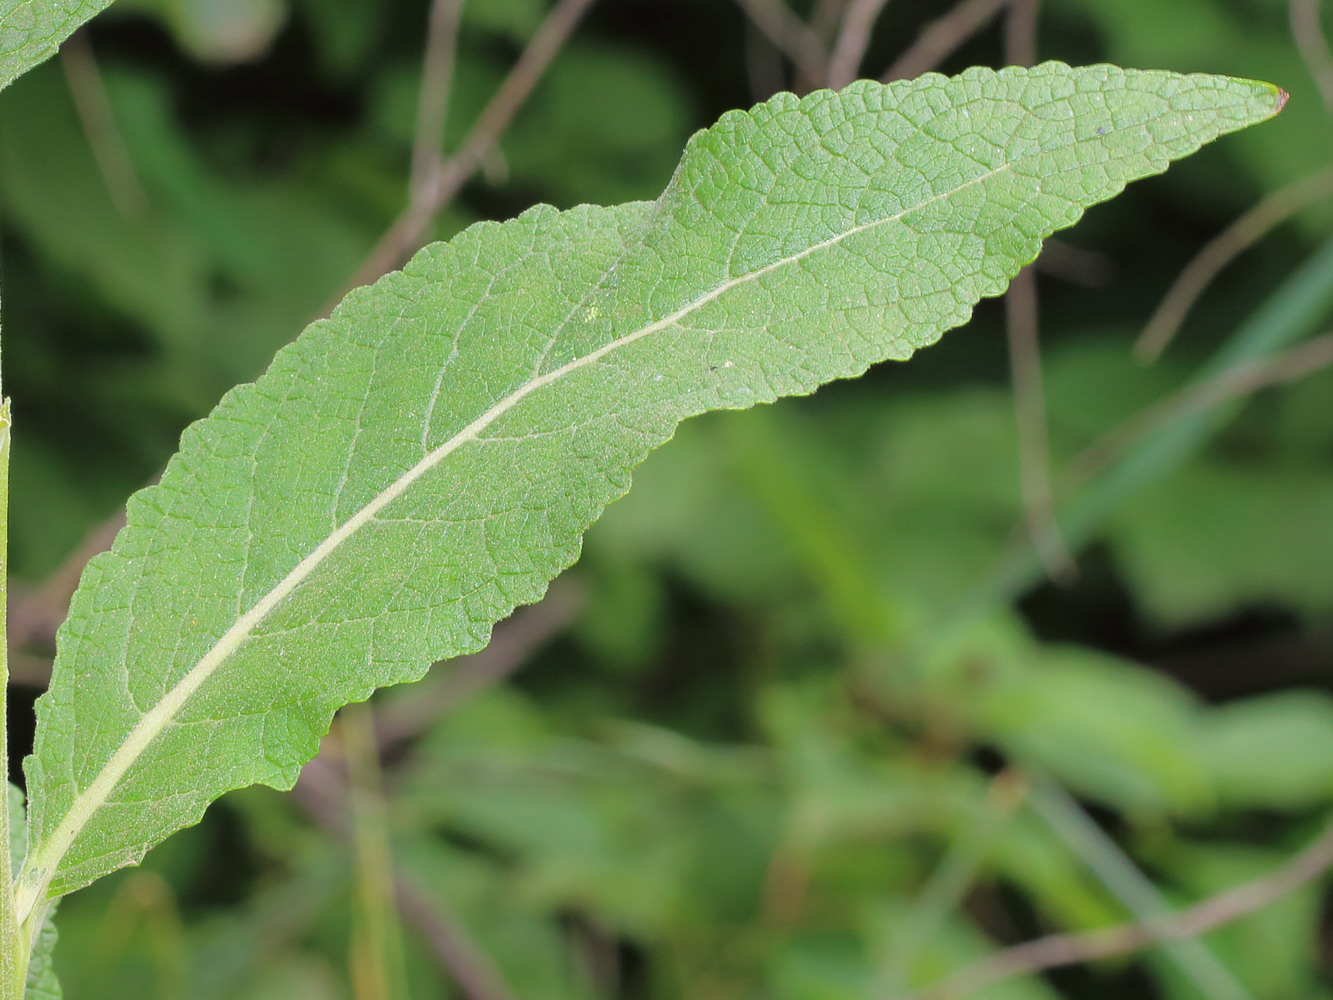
31	31
412	469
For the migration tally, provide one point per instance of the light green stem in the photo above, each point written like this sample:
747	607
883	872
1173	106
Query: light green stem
14	945
378	972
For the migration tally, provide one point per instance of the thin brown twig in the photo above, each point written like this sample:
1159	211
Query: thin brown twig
437	77
323	792
440	186
1022	325
39	614
1075	265
1131	887
764	68
323	787
1030	418
1021	313
1273	210
112	156
1241	380
826	17
36	617
941	37
376	953
947	887
453	945
1059	950
849	50
1020	32
795	39
1308	33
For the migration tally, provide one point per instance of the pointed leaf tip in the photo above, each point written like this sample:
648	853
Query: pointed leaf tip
410	470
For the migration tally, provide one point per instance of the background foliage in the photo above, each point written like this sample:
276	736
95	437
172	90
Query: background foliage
807	720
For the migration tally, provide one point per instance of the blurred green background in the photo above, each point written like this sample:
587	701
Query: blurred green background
808	721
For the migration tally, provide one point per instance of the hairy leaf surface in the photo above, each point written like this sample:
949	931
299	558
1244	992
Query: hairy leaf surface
410	470
31	31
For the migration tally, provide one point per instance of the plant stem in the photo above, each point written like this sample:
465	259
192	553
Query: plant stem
949	883
13	943
1135	891
377	943
1293	311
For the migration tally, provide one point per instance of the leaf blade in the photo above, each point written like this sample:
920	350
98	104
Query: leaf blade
472	428
31	31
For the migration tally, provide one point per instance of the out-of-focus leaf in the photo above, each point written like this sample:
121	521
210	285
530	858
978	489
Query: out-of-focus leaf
275	248
52	190
1028	854
637	126
839	792
298	978
1195	548
690	511
624	617
222	31
1113	731
1273	752
1093	385
590	826
517	19
528	942
1273	950
345	32
955	945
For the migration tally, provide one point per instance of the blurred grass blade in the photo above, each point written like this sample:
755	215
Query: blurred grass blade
1135	891
1295	310
410	470
378	971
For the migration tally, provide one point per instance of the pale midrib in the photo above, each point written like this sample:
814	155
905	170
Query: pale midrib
42	863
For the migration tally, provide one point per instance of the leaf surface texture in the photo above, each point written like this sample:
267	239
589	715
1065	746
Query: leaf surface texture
31	31
410	470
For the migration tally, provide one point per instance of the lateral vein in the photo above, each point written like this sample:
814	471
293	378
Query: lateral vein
43	861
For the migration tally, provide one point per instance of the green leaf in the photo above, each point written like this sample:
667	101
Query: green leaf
229	32
1167	539
1273	752
1116	732
409	471
42	983
32	30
